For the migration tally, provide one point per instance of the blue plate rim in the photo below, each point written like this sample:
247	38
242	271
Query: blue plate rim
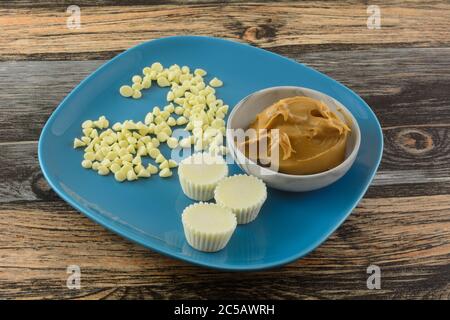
134	238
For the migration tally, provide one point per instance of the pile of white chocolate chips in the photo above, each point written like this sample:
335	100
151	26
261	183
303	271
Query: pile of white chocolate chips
192	104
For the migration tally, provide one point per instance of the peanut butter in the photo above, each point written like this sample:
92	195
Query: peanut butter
311	138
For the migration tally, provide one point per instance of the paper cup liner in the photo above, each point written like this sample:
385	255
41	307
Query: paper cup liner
204	240
243	214
199	191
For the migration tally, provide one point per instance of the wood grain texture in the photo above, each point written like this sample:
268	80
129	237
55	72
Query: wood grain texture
401	70
405	170
43	33
409	238
86	3
393	82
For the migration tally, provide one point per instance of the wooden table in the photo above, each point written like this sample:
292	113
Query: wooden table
401	70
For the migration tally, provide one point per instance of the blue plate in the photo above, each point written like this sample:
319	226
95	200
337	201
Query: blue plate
148	211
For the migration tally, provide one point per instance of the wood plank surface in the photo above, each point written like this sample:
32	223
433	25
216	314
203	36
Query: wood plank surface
42	33
380	232
392	81
400	70
403	170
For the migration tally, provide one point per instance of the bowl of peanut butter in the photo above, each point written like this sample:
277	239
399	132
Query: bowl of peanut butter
293	138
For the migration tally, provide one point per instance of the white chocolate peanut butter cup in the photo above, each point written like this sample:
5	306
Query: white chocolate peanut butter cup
199	175
243	194
208	226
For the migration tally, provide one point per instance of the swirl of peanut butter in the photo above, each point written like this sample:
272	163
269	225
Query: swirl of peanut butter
311	137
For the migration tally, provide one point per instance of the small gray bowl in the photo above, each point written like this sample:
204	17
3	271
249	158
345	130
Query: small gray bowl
244	113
